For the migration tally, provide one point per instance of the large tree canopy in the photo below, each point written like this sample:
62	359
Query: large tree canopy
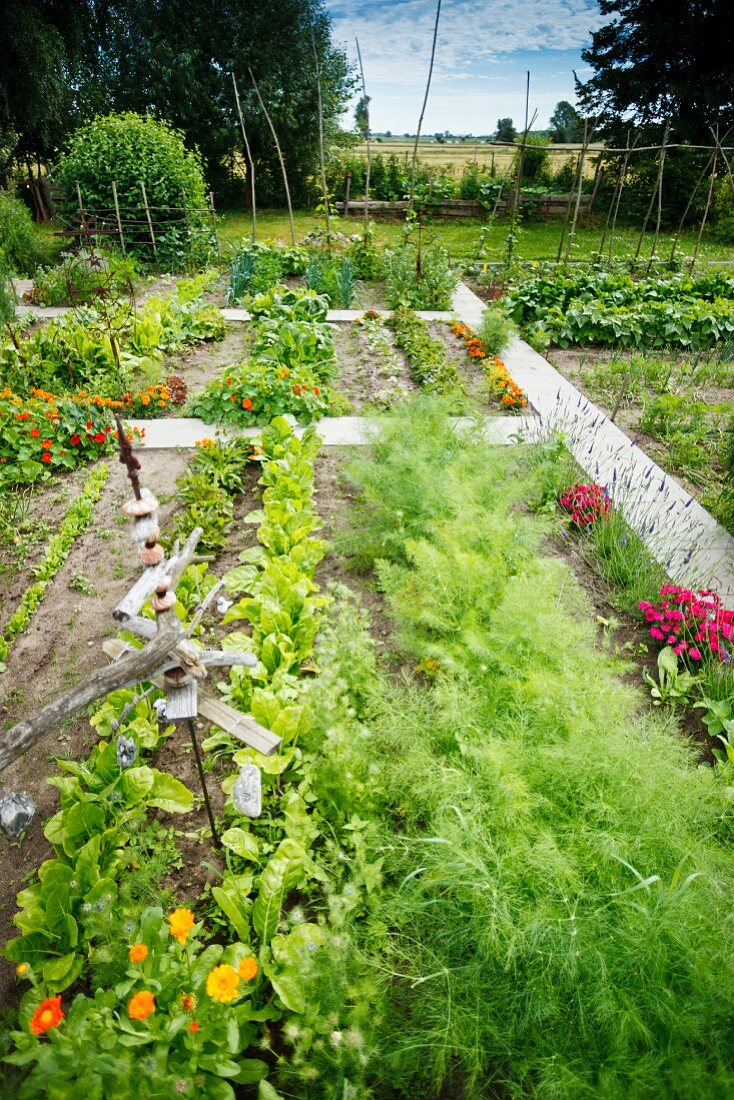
663	60
174	61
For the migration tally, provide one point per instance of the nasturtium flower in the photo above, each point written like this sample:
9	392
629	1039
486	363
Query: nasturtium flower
180	923
47	1015
138	953
222	984
141	1006
248	969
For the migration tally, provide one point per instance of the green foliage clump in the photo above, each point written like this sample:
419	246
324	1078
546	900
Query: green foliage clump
495	331
80	279
556	869
426	357
432	288
131	149
20	242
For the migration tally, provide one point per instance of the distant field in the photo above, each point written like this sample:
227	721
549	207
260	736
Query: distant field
457	154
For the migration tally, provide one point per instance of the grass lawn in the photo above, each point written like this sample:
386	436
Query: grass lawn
538	240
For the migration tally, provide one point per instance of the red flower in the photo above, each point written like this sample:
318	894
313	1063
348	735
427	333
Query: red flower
22	416
99	437
316	390
90	424
35	433
247	404
193	1027
46	444
75	440
45	457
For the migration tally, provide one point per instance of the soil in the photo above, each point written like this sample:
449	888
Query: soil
362	377
472	378
197	364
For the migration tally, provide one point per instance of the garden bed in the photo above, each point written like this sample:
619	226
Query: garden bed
677	407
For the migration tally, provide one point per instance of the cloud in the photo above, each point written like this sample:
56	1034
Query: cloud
396	37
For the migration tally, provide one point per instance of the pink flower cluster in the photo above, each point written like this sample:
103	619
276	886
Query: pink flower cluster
585	503
690	622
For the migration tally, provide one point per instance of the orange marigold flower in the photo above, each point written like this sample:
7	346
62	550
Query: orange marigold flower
46	444
222	983
248	969
180	923
138	953
47	1015
141	1006
35	433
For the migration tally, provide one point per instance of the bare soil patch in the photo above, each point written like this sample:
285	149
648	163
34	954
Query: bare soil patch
197	364
363	377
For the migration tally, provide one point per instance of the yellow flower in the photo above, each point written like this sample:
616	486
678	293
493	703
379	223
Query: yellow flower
248	969
222	983
138	953
21	969
180	923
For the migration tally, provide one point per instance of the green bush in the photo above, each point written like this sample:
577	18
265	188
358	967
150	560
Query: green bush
434	288
724	213
19	239
495	330
131	149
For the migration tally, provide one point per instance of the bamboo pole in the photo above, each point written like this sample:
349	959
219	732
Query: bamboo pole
250	161
322	158
280	156
567	215
150	223
367	139
423	108
618	200
658	219
705	215
213	213
653	197
117	215
186	218
681	223
582	158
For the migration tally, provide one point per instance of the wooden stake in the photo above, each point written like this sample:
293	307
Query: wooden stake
322	158
660	203
280	157
347	189
117	215
423	108
367	140
705	215
150	223
250	161
520	169
579	186
654	193
623	173
214	222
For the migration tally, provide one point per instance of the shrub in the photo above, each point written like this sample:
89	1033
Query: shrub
19	240
131	149
495	331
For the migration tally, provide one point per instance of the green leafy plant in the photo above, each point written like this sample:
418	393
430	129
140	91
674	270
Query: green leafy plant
426	357
674	684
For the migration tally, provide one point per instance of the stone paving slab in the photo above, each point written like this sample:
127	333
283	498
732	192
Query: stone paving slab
335	431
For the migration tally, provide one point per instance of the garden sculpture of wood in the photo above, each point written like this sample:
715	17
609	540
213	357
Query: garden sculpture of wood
169	658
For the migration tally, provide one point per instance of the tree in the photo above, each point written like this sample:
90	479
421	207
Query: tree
173	61
566	124
362	116
505	130
659	60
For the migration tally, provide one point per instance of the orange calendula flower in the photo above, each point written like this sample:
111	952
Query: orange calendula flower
222	984
138	953
193	1027
141	1006
248	969
47	1015
180	923
188	1002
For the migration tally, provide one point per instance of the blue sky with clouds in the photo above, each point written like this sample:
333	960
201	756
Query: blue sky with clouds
484	49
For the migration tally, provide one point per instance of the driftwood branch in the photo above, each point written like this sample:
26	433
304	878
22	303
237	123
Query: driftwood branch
134	667
151	578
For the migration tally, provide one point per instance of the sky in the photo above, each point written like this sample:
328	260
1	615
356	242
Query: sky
484	50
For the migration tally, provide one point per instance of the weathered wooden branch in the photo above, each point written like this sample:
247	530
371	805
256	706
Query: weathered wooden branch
152	578
134	667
